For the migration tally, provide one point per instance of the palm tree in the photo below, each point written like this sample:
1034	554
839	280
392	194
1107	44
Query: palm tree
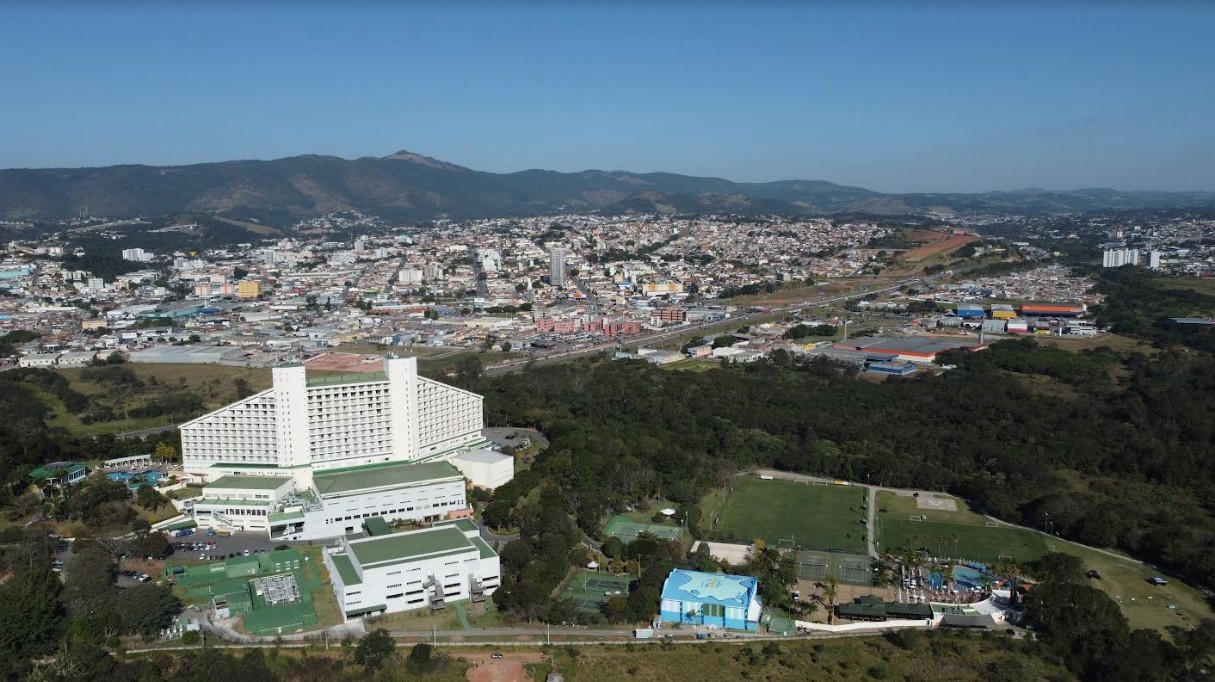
955	539
830	589
985	582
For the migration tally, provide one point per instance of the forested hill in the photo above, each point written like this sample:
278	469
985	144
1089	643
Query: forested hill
1115	447
407	186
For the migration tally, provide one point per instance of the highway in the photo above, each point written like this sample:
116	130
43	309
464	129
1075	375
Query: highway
659	337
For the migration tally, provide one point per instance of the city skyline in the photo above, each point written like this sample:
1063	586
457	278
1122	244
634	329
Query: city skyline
943	99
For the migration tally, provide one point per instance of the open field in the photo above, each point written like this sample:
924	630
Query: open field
215	385
1116	342
188	375
817	517
1123	579
960	534
935	243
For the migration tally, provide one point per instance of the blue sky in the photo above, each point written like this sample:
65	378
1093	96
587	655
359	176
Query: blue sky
937	97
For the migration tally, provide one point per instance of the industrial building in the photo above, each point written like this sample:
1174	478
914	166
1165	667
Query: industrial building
1002	311
922	349
971	310
386	573
711	600
1053	309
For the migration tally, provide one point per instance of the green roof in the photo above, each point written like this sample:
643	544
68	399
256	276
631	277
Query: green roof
483	548
285	516
338	481
465	525
402	546
248	482
182	525
49	471
346	570
376	526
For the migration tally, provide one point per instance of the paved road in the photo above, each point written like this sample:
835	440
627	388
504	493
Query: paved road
140	433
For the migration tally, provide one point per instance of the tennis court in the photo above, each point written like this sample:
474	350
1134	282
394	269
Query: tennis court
589	591
851	569
627	530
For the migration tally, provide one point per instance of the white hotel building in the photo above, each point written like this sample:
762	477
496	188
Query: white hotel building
310	458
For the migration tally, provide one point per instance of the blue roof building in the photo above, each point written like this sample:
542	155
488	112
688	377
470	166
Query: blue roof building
971	310
711	599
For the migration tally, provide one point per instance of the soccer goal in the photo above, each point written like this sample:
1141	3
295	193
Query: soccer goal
991	524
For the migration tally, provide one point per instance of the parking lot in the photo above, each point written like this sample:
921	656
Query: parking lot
220	546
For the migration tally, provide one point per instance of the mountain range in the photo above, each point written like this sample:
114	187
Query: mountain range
410	187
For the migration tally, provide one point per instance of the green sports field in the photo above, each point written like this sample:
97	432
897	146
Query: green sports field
961	534
818	517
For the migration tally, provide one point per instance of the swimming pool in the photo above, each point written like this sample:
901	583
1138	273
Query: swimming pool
135	480
967	578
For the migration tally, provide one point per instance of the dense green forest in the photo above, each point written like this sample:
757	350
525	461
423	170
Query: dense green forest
1114	445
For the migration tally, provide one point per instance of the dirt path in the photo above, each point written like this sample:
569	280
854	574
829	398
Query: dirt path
509	668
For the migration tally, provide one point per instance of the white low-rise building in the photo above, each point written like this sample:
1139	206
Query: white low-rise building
412	570
331	503
485	468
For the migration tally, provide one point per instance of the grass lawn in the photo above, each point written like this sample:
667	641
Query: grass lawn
1123	579
1116	342
700	365
215	384
817	517
962	533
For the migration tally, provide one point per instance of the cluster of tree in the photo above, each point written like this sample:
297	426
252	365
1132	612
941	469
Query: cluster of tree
40	615
1118	462
1086	630
1140	302
535	564
10	340
749	290
801	331
508	309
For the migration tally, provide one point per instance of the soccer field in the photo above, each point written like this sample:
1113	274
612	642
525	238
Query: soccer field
960	534
975	543
819	517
